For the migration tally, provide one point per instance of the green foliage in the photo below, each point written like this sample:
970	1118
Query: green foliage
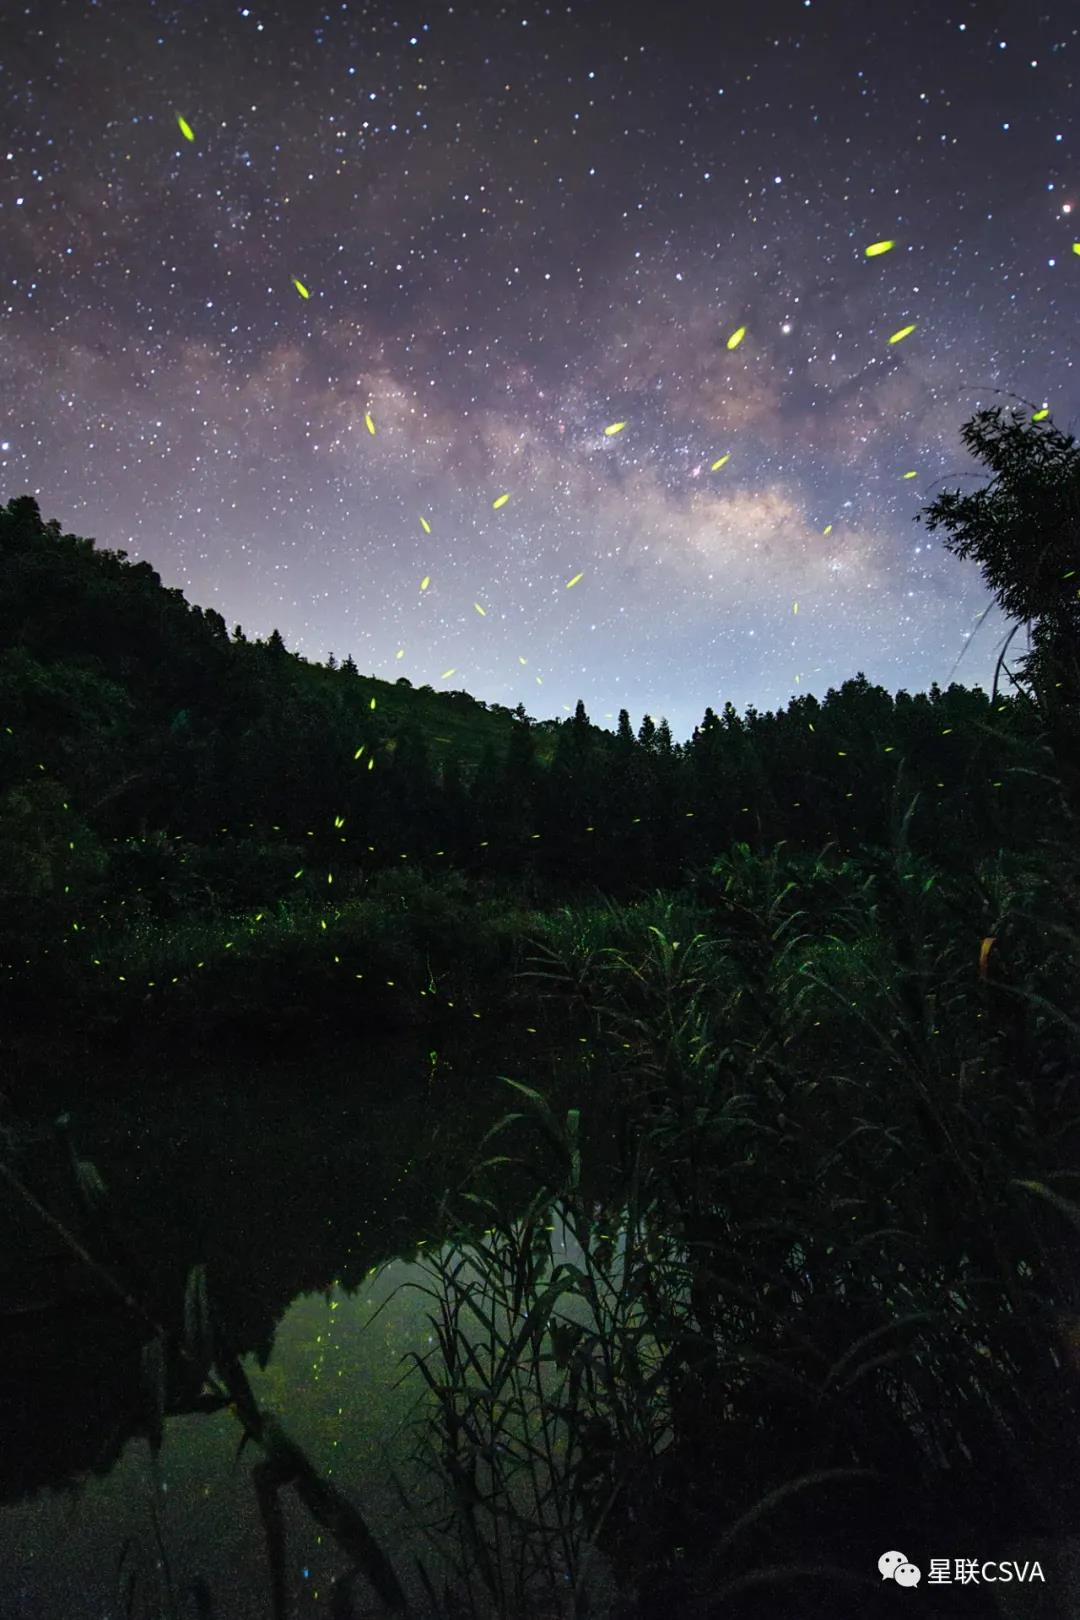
836	1255
216	777
828	958
1023	528
51	866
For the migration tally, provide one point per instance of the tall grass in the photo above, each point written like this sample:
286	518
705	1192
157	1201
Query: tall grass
836	1289
817	1286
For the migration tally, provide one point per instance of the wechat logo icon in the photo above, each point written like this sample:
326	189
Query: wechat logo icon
894	1566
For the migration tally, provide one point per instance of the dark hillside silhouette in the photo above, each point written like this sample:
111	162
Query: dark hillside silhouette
816	973
154	769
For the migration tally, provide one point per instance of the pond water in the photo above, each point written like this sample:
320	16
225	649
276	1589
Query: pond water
294	1185
306	1188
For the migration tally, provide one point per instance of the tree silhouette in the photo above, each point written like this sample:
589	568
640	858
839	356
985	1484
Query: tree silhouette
153	721
519	769
1023	529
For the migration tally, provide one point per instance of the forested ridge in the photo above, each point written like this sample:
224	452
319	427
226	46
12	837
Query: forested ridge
159	774
817	1136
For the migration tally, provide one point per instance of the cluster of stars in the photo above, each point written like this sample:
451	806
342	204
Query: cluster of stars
499	239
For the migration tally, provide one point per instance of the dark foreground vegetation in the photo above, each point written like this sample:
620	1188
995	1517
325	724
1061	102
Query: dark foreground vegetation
818	1292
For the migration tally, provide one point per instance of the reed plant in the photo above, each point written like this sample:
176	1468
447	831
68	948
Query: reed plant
831	1286
816	1285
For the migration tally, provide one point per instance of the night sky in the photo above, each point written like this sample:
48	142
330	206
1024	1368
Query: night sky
517	227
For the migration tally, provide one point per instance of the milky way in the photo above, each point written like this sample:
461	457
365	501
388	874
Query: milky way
515	228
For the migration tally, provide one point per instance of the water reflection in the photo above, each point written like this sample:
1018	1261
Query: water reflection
338	1376
290	1209
334	1377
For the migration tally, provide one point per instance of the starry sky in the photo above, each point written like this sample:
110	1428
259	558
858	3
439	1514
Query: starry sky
516	227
